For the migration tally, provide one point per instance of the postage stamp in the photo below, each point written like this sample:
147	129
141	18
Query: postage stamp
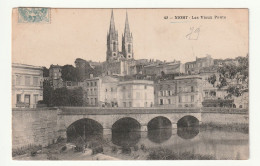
33	15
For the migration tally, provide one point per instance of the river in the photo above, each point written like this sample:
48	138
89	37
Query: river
219	144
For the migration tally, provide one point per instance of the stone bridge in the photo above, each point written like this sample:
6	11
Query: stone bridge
106	117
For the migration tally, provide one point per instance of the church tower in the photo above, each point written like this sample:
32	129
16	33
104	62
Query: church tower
112	41
127	41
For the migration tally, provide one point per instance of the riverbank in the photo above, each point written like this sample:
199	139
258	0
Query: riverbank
234	127
214	141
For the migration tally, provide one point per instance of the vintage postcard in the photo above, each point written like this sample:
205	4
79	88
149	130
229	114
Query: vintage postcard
130	84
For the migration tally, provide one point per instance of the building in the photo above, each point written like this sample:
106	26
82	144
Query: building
27	87
166	93
101	91
55	76
118	63
135	93
158	69
183	91
195	67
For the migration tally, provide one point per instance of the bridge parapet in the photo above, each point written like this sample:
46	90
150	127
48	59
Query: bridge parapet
116	111
224	110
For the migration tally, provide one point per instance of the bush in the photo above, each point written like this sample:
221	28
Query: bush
126	150
79	148
33	153
63	148
136	148
167	154
26	150
114	149
51	157
98	149
143	148
60	139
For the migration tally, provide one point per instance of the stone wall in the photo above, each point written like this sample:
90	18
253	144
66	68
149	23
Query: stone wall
34	126
224	116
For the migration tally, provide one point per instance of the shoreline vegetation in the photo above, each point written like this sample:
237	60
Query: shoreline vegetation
167	154
234	127
56	150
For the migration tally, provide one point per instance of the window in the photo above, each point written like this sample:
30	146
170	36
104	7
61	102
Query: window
91	83
129	95
161	101
206	94
91	91
27	80
95	83
129	48
35	81
192	89
124	104
180	99
27	99
114	46
161	93
137	95
192	98
35	97
130	104
124	87
87	84
169	101
18	98
169	93
145	104
18	80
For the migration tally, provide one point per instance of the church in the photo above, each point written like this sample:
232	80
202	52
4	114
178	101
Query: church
119	62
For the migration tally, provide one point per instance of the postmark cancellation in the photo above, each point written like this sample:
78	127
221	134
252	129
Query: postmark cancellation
33	15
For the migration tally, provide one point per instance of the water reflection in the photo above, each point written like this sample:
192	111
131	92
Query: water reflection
126	138
159	135
126	132
84	130
188	132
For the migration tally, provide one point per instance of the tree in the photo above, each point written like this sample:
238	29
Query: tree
68	73
47	93
45	72
234	77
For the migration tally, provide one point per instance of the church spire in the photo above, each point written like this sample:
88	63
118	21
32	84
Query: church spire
112	23
127	29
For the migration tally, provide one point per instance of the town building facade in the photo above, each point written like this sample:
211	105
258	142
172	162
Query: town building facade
182	92
196	66
101	91
135	93
55	76
27	87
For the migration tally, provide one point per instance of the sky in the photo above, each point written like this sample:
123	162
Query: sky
81	33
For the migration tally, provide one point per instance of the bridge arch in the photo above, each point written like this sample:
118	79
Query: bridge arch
188	127
188	121
159	129
125	132
128	122
84	129
159	122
